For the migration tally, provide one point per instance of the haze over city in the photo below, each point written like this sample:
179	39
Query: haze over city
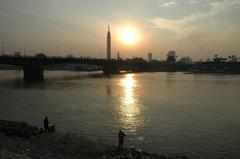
195	28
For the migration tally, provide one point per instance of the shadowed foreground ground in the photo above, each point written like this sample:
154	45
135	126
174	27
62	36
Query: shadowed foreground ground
22	141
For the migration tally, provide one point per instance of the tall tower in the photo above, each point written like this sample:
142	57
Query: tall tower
3	48
108	43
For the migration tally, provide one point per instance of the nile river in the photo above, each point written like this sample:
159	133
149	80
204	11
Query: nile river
198	115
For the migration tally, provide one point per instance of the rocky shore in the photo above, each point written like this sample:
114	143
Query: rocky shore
22	141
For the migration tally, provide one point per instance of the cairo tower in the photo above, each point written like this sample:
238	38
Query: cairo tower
108	43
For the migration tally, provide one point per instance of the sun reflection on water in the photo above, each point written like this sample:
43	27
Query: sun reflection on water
130	114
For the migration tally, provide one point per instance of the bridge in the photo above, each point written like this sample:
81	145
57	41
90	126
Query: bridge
33	67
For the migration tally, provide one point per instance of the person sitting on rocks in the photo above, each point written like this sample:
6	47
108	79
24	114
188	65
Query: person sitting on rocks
51	129
45	123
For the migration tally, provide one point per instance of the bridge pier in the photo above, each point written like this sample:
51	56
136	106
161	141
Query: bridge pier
33	73
111	68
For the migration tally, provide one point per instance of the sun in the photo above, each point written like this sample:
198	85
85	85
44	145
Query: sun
129	36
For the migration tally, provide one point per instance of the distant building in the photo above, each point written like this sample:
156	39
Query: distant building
149	57
219	59
171	57
69	56
108	43
41	55
118	56
208	60
3	48
233	58
17	54
186	60
171	54
136	59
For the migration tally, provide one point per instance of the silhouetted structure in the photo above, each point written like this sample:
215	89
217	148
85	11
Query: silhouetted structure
149	57
41	55
17	54
118	56
186	60
233	58
171	57
217	67
33	67
108	43
3	48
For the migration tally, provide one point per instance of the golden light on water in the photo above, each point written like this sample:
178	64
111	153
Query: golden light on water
129	106
128	83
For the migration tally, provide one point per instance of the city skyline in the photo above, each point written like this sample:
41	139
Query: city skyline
198	29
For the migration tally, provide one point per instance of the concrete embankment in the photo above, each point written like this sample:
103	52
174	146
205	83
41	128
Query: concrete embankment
22	141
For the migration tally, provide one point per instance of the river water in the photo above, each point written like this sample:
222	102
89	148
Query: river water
198	115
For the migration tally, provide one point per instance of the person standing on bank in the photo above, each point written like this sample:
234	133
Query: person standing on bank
45	123
121	136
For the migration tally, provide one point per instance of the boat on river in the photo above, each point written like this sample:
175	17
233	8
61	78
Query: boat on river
216	67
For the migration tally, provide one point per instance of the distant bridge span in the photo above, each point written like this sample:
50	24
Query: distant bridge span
29	61
34	67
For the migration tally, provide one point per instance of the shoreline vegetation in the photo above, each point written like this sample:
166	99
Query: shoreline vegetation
19	140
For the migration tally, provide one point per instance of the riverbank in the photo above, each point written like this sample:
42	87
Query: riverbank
22	141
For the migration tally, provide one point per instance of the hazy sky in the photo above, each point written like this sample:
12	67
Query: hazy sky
196	28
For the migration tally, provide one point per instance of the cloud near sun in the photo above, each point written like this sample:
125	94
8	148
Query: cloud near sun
198	20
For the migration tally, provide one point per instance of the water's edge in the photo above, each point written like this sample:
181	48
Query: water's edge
23	140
